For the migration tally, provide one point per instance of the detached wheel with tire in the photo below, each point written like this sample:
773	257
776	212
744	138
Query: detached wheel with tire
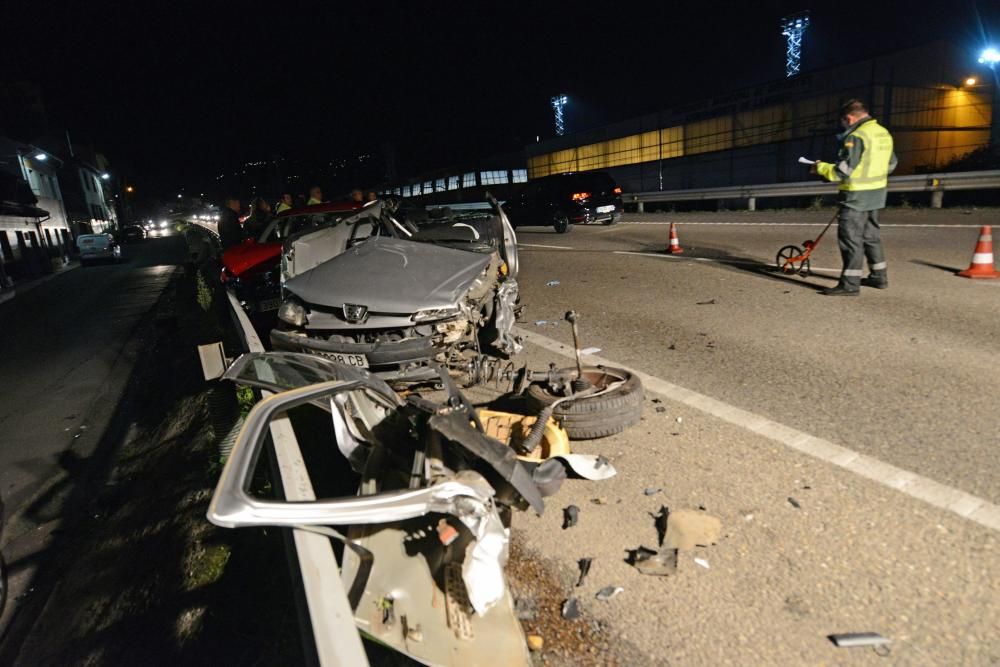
561	223
598	416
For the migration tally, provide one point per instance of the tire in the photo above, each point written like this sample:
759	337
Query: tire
613	221
561	223
598	417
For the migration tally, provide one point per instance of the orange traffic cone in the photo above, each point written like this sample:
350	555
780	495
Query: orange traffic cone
982	258
675	246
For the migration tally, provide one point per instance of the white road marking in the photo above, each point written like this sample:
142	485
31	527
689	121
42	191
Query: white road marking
719	261
792	224
939	495
539	245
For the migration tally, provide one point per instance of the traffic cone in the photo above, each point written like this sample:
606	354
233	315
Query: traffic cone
675	246
982	258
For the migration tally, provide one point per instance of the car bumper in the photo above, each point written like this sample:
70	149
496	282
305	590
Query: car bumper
588	216
399	360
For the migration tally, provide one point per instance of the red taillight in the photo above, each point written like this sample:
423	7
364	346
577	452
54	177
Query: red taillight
617	191
580	196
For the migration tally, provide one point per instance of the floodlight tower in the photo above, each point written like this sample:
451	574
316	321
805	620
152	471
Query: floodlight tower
793	27
558	102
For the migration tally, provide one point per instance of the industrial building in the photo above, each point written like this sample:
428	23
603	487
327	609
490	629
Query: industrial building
937	101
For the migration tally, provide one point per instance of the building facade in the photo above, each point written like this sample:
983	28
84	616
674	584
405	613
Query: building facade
34	229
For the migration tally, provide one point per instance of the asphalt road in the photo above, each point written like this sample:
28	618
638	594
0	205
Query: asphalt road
906	376
67	355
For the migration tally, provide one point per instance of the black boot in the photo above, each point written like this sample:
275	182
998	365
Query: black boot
839	290
876	280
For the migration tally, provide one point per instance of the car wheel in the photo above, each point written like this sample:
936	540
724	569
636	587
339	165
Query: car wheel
598	416
561	223
613	221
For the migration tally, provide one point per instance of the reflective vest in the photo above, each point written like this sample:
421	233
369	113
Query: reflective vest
872	172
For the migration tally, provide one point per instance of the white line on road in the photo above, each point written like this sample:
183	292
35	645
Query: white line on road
712	259
948	498
794	224
539	245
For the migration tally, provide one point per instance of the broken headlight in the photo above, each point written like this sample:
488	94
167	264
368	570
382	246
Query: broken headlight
292	312
431	314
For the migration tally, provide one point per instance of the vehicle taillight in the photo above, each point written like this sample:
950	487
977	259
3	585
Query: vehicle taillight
617	191
580	196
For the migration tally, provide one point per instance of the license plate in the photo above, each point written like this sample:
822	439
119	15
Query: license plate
606	209
355	360
87	242
268	305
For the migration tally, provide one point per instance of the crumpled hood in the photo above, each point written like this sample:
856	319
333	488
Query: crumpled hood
391	276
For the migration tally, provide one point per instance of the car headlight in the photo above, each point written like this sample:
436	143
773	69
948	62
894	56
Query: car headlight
293	312
431	314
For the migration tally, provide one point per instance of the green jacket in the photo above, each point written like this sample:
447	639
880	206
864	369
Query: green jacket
865	160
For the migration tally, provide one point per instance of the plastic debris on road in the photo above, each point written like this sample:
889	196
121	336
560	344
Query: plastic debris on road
571	609
608	592
651	491
552	283
654	563
794	503
584	564
702	562
851	639
710	302
571	515
590	350
535	643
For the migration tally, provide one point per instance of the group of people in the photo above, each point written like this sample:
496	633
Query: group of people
232	232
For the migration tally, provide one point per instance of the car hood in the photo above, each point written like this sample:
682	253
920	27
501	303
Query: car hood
391	276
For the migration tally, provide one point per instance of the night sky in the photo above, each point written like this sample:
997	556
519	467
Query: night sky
176	95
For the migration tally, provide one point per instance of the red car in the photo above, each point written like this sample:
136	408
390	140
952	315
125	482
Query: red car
252	269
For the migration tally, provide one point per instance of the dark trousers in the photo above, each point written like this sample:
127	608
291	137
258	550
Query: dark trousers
859	236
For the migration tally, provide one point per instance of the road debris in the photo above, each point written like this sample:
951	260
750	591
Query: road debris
654	563
651	491
584	564
590	350
570	516
710	302
545	323
608	592
687	529
536	643
552	283
526	609
794	503
599	501
702	562
660	408
851	639
571	609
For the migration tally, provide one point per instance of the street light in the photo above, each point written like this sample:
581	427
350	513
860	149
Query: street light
129	189
990	56
105	176
971	81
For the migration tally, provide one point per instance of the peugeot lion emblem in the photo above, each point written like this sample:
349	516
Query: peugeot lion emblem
354	312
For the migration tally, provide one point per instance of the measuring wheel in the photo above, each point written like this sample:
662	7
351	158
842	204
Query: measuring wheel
790	260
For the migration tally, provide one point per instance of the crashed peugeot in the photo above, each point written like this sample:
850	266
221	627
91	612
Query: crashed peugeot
398	294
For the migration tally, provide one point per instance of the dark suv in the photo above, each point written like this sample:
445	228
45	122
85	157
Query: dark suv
566	199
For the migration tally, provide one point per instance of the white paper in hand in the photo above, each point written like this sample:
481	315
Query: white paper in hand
803	160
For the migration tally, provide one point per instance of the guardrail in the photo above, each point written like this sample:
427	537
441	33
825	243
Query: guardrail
335	637
936	184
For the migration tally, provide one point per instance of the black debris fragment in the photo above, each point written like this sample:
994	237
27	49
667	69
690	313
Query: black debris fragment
571	609
672	347
570	516
584	564
654	563
660	409
710	302
657	400
794	503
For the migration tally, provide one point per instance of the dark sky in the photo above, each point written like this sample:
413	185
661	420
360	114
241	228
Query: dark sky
179	93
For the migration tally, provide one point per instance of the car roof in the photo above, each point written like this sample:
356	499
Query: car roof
326	207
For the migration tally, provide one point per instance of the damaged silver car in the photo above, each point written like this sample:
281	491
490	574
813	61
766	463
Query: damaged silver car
397	294
422	495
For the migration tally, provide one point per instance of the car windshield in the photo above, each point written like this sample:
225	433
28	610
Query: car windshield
476	230
292	225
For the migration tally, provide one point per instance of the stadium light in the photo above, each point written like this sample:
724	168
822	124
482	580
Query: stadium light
558	102
990	56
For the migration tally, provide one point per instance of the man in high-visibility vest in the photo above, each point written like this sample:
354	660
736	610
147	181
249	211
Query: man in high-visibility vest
863	165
